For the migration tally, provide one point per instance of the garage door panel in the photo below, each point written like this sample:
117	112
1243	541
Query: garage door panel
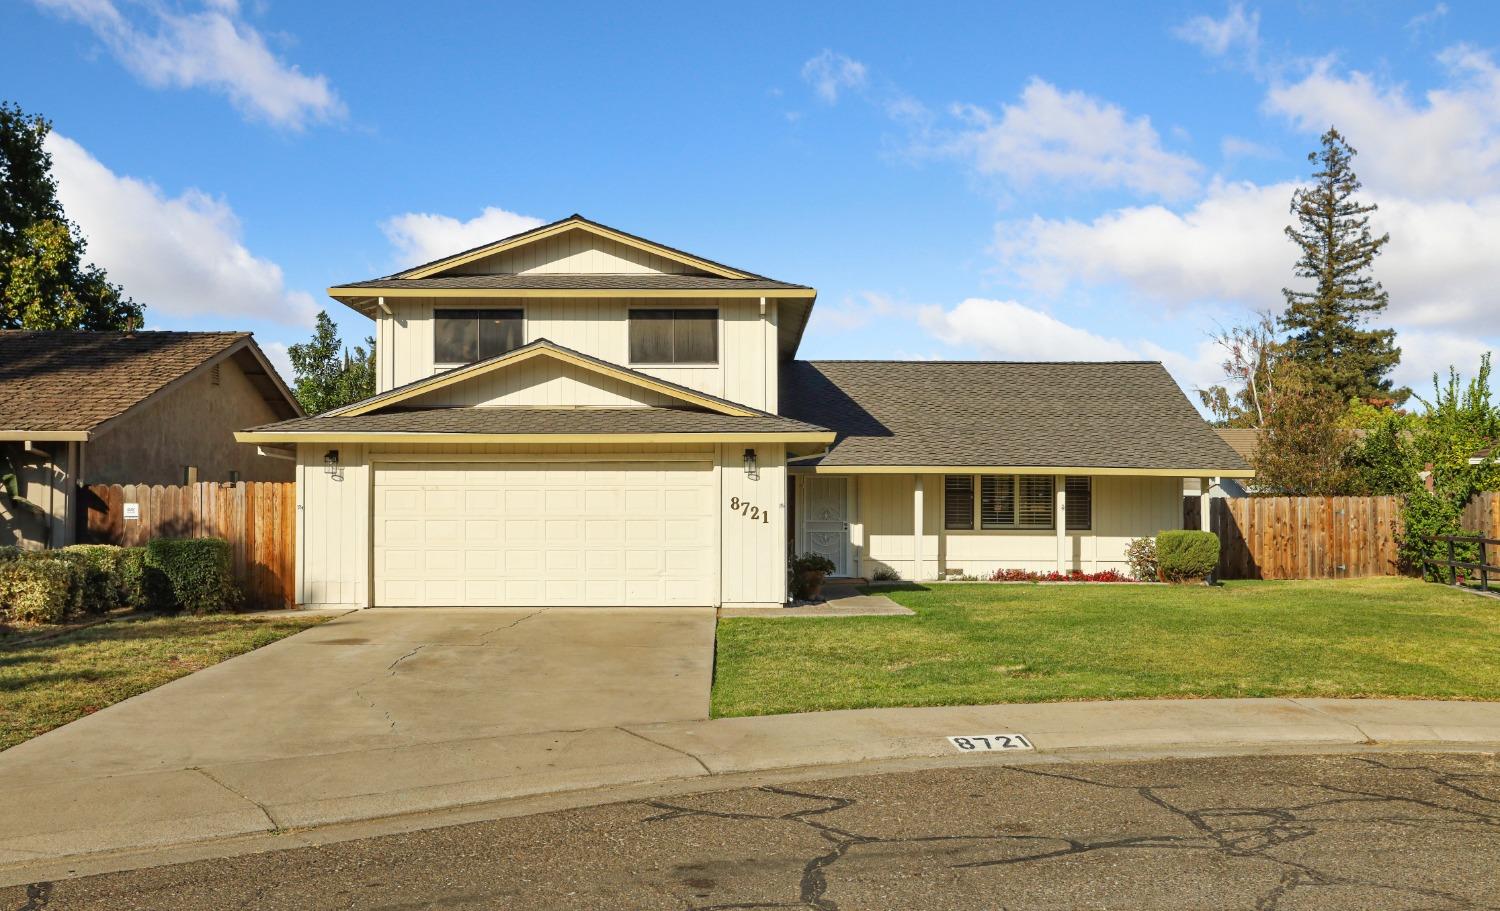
605	533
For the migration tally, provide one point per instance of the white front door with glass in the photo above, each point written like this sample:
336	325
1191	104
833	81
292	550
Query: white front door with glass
825	520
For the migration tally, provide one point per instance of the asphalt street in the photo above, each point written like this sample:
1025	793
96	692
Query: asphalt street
1356	831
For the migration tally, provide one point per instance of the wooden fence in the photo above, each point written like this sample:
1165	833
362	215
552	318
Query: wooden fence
1482	515
1307	537
257	518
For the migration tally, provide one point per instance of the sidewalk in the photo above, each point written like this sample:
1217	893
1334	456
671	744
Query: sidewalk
177	806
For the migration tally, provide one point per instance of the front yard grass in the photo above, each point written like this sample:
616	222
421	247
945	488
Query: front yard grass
981	644
49	682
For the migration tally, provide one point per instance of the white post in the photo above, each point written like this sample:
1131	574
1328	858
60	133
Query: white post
916	538
1203	502
1061	519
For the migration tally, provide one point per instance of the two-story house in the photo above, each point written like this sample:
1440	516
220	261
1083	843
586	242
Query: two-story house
578	416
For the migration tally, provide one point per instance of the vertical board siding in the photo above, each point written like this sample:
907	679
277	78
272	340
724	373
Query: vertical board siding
1482	515
753	554
598	327
255	517
1307	537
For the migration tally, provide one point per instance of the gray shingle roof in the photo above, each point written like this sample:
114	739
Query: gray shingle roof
54	381
576	282
966	413
540	421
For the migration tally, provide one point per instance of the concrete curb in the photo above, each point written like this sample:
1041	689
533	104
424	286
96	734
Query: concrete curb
79	824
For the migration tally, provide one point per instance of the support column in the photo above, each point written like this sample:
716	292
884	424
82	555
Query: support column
1060	491
1204	486
917	543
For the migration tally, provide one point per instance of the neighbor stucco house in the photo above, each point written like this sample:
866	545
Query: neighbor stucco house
80	408
575	415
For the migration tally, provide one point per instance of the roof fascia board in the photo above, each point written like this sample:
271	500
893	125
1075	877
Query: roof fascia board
44	436
453	377
369	293
1028	469
774	436
540	234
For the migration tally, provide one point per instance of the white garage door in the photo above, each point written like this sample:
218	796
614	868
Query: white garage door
584	534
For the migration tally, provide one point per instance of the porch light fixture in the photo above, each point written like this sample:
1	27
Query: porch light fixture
751	467
331	461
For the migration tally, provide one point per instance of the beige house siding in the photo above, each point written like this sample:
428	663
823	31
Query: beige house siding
334	513
882	524
44	483
193	424
746	372
575	252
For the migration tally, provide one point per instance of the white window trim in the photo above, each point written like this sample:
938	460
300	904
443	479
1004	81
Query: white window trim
686	305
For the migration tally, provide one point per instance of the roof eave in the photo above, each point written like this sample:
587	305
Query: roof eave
315	436
1101	471
44	436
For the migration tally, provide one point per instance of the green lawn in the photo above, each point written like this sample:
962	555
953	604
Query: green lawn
45	684
979	644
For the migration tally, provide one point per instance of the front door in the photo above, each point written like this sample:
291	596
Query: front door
825	528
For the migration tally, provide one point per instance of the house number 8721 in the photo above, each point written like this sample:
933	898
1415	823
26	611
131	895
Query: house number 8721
753	513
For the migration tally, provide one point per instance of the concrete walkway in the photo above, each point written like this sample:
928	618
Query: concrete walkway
839	600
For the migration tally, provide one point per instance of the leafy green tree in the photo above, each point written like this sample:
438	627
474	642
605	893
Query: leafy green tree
44	283
1327	325
1303	450
327	375
1385	461
1461	420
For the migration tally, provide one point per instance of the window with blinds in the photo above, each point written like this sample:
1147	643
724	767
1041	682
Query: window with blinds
1080	494
1015	501
958	502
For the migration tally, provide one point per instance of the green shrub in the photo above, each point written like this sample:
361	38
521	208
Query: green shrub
198	573
40	588
1140	553
10	552
100	564
142	587
1182	556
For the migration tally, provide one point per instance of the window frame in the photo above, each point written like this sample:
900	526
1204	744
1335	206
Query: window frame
973	502
980	525
717	321
439	365
1067	520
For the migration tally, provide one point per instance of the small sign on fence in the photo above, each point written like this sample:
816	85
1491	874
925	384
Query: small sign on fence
132	510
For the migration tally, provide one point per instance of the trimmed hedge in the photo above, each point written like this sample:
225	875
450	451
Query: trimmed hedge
198	573
99	566
1183	556
38	588
142	587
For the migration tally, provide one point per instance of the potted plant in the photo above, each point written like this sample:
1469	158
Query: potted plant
808	572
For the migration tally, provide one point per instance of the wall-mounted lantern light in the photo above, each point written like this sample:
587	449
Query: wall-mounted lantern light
752	468
331	461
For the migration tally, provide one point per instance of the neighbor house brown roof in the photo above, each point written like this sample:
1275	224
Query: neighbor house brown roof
1242	440
539	421
75	381
1119	415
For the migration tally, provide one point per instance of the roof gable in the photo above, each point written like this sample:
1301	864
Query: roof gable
542	348
74	382
572	226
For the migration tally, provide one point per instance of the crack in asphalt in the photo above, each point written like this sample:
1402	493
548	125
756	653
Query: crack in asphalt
484	638
1234	831
37	896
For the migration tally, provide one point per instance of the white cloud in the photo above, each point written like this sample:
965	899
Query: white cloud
1232	147
421	237
1447	144
1422	21
277	354
1066	137
1426	353
858	311
1236	34
1009	330
213	48
180	256
830	73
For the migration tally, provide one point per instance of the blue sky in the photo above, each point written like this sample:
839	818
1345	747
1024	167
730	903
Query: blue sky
1007	181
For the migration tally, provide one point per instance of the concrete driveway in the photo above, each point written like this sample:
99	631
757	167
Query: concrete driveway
393	678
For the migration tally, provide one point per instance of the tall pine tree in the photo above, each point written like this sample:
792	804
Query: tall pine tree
1327	326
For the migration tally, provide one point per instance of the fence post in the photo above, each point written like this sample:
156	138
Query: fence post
1484	566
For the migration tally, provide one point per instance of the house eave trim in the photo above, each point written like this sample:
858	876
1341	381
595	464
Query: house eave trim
1026	469
271	436
45	436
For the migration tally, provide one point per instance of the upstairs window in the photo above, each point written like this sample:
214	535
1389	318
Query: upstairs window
662	336
466	336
